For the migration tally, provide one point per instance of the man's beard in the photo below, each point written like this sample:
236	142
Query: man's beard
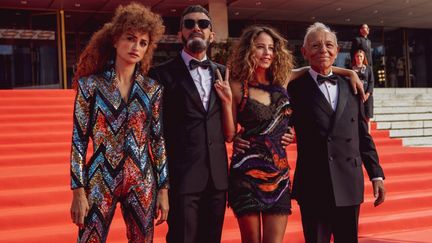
196	43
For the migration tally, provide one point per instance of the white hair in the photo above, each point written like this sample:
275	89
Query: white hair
315	27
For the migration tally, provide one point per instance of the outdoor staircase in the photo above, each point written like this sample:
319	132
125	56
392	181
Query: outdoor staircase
406	112
35	137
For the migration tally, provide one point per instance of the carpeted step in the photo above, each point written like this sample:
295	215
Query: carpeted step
35	137
32	93
394	222
418	235
37	101
36	126
407	167
41	215
25	118
391	154
34	159
404	183
36	181
397	202
34	176
379	134
387	141
34	148
31	109
35	196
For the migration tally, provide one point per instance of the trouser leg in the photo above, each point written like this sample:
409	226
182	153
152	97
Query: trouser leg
138	203
316	224
211	216
196	217
345	225
183	218
102	207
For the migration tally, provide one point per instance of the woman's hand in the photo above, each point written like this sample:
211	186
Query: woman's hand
80	207
162	206
367	95
357	86
288	137
223	88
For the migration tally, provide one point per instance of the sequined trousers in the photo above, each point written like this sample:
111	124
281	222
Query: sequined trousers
136	198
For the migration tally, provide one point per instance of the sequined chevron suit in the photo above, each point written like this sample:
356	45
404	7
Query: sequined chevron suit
128	163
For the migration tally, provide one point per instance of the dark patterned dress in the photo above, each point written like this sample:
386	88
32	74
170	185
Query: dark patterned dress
365	74
128	164
259	178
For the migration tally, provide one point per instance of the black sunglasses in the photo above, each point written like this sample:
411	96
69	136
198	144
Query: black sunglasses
202	23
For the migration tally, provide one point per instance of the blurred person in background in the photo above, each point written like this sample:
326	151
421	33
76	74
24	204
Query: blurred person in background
364	72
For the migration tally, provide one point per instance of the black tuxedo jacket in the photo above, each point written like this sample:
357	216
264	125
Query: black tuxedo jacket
194	137
331	146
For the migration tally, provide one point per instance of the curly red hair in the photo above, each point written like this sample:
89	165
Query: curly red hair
133	17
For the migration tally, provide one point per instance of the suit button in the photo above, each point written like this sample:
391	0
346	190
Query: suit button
209	142
329	139
330	158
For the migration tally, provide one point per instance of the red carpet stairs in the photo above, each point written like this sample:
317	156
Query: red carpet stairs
35	135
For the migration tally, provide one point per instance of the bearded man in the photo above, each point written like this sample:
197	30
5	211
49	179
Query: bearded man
194	135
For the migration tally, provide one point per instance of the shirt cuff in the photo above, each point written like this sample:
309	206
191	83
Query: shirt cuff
377	179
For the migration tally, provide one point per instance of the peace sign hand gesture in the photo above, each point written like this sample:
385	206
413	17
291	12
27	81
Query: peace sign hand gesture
223	88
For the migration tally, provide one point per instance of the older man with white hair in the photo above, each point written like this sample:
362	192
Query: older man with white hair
332	144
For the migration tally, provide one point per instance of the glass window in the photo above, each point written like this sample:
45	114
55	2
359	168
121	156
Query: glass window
28	49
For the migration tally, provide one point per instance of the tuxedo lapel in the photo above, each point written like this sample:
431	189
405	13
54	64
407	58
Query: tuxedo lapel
318	97
342	98
187	82
212	90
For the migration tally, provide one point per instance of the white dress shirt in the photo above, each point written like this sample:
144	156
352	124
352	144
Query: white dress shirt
329	90
201	77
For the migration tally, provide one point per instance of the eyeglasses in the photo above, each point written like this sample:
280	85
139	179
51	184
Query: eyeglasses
202	23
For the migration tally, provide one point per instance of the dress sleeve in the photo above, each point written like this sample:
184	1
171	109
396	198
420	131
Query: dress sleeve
80	132
157	142
371	80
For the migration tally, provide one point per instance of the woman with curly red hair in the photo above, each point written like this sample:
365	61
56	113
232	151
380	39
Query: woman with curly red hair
118	108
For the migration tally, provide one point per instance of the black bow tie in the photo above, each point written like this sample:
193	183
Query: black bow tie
332	79
194	64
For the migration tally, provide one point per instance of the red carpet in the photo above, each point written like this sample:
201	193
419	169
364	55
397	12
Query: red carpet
35	134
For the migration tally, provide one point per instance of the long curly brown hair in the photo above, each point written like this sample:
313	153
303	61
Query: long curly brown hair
243	64
133	17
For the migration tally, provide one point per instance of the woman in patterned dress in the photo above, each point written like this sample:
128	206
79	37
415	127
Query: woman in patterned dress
118	108
259	178
364	72
259	189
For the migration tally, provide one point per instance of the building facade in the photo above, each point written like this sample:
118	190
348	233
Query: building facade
40	48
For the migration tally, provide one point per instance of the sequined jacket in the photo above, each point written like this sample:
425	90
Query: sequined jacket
119	131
